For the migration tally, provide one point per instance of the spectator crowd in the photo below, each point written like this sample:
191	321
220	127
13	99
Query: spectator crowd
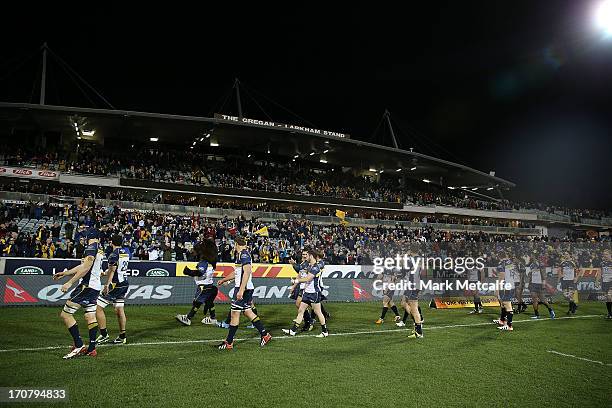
155	236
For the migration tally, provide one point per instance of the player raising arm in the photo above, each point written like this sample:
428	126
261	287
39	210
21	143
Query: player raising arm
206	291
85	295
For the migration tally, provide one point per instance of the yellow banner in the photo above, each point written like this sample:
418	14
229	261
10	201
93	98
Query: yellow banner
461	302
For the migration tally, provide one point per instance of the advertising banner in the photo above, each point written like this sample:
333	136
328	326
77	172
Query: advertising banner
461	302
23	172
37	266
41	290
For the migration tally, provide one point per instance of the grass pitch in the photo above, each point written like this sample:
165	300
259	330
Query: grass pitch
462	360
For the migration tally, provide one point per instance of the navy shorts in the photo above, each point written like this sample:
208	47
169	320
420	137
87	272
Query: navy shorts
84	295
296	293
311	298
506	295
568	284
535	288
205	293
116	296
606	286
388	293
411	294
247	300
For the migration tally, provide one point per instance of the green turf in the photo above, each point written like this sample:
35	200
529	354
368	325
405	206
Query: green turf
451	366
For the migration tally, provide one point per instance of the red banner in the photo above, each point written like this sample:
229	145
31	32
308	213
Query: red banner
29	173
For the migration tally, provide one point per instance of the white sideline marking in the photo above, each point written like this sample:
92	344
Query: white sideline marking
579	358
357	333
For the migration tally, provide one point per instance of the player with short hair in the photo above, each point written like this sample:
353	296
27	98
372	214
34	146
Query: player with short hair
569	279
114	291
312	296
388	277
203	276
242	298
537	277
296	292
84	295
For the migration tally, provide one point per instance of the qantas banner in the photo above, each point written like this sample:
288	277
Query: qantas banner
41	290
23	172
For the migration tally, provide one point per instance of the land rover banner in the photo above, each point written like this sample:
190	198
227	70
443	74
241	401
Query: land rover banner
35	266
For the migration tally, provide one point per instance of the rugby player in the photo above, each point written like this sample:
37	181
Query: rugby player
84	295
242	298
312	295
569	278
519	283
296	292
206	291
506	272
537	277
321	265
114	291
388	277
411	300
606	280
473	277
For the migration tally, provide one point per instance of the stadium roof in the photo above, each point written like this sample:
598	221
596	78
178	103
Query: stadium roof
256	137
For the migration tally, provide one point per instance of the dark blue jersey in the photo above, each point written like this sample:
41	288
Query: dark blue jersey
120	259
243	259
92	277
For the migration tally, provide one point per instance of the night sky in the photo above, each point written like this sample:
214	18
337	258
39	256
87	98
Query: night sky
523	87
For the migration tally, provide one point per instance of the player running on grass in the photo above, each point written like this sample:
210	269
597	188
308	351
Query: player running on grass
312	296
114	291
84	295
203	276
242	298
